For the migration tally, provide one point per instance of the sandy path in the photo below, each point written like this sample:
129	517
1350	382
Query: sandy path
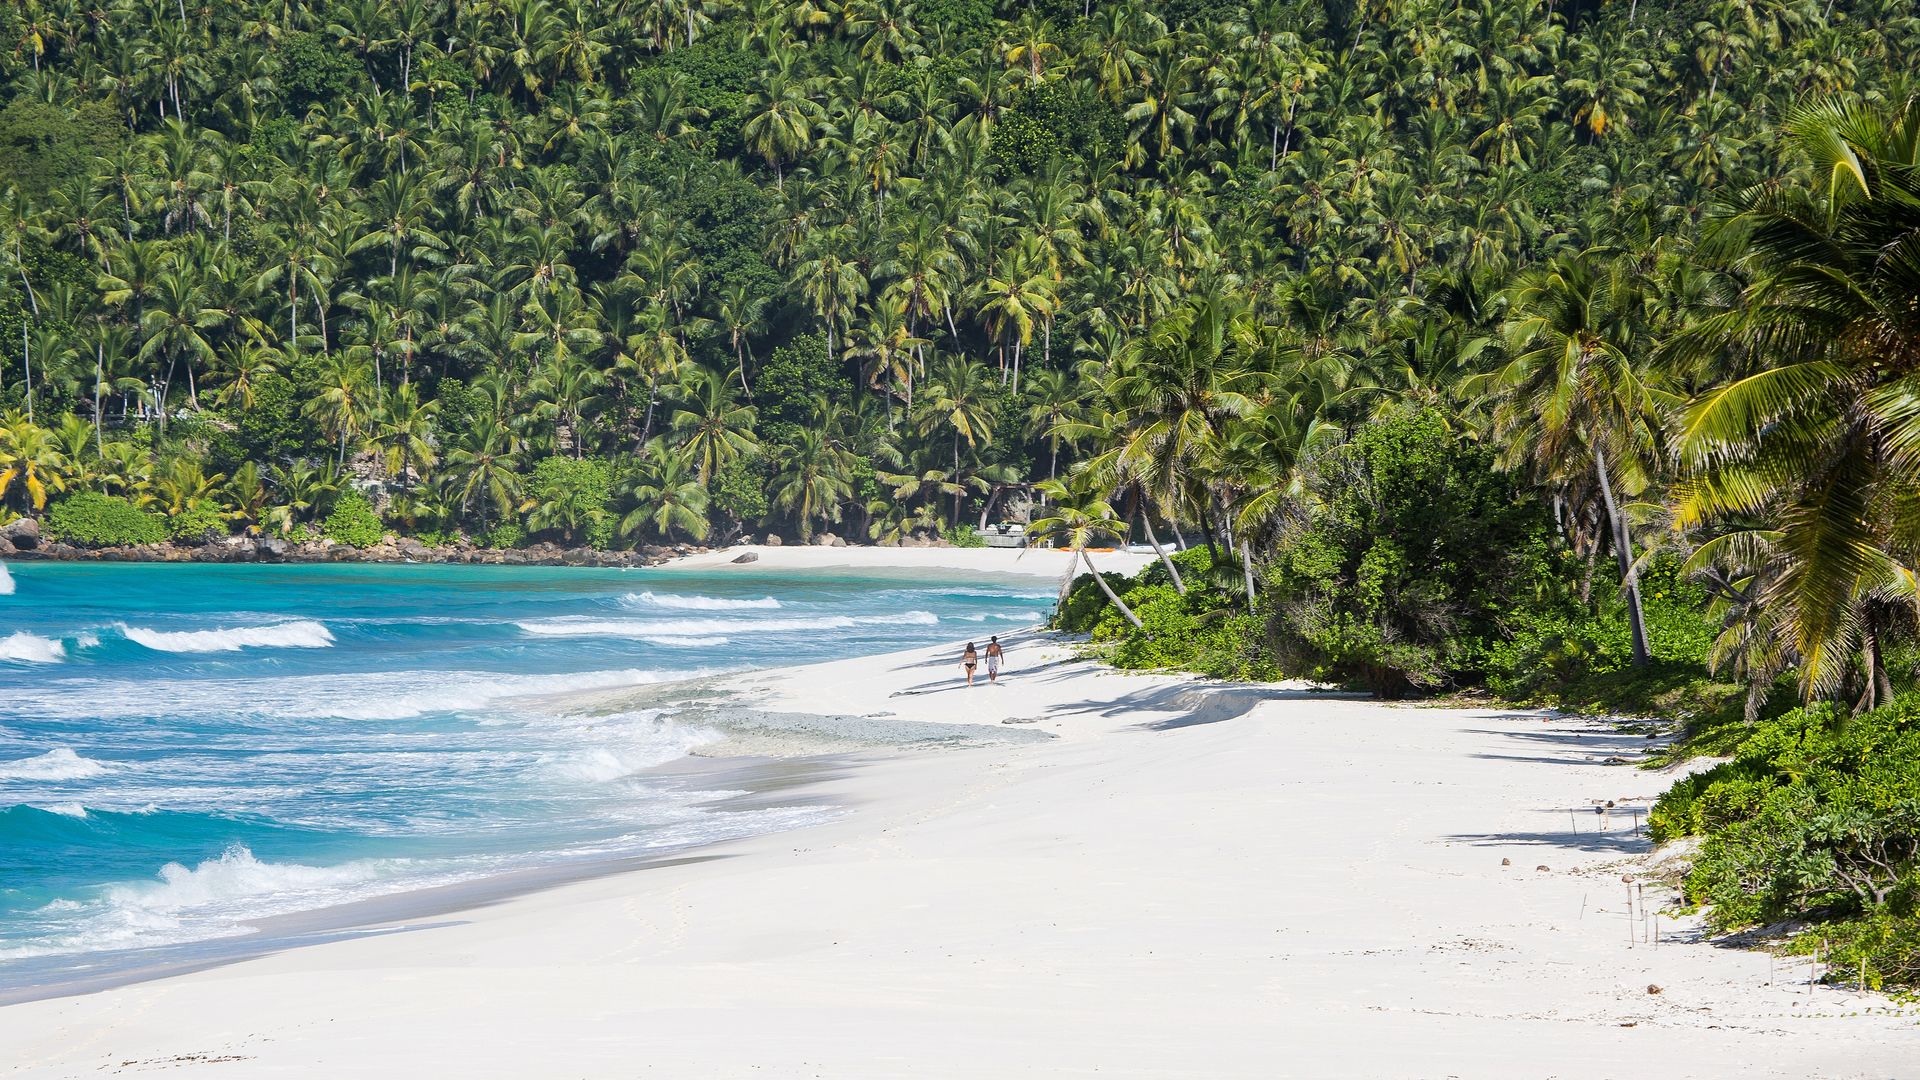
1187	883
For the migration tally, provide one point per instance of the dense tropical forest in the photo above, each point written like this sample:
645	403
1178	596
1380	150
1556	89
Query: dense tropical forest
1567	348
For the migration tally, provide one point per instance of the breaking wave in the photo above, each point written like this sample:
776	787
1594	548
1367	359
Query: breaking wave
57	764
300	634
31	649
648	629
695	603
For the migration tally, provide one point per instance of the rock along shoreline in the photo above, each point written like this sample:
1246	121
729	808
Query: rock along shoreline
22	540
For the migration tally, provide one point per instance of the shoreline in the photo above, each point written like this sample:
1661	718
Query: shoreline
1183	878
239	550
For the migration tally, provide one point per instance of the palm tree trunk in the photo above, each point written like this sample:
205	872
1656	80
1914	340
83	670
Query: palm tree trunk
1146	520
1623	551
646	429
26	370
1870	653
1246	568
99	363
1206	526
993	497
1066	586
1108	589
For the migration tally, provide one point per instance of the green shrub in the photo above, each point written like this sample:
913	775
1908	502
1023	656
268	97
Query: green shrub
570	497
738	495
353	522
1550	650
1817	817
1196	568
1200	632
964	536
91	519
1411	549
1086	603
196	523
1878	952
507	534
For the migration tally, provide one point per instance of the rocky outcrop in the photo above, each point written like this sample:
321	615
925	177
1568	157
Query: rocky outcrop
238	549
22	535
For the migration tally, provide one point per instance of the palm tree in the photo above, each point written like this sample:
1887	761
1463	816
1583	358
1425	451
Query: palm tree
667	499
1171	396
1080	518
959	400
714	429
483	471
812	481
341	405
31	465
403	427
1804	462
780	123
1576	398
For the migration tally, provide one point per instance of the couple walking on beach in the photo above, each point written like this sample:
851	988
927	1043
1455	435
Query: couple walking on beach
971	659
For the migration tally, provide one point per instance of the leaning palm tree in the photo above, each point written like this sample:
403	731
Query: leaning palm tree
1079	518
1575	399
1810	456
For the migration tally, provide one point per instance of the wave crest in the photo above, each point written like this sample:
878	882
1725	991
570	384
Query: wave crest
696	603
56	764
649	630
6	581
299	634
31	649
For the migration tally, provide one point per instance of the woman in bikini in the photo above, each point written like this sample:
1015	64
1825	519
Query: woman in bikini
969	660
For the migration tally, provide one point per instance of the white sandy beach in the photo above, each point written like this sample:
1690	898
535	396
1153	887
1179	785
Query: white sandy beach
1190	881
1034	562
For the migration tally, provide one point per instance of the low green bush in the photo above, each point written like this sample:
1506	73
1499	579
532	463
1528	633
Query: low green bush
1411	549
965	536
1200	631
571	499
197	524
1086	603
1816	818
353	522
507	534
1547	650
92	519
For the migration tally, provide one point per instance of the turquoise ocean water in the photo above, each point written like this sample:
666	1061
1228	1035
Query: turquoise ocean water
185	748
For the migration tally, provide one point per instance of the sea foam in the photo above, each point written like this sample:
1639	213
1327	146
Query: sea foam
299	634
216	898
649	629
622	744
28	648
6	581
695	603
57	764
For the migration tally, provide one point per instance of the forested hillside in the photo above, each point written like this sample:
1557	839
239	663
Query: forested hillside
624	271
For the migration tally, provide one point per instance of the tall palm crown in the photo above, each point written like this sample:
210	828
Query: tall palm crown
1812	459
1577	399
